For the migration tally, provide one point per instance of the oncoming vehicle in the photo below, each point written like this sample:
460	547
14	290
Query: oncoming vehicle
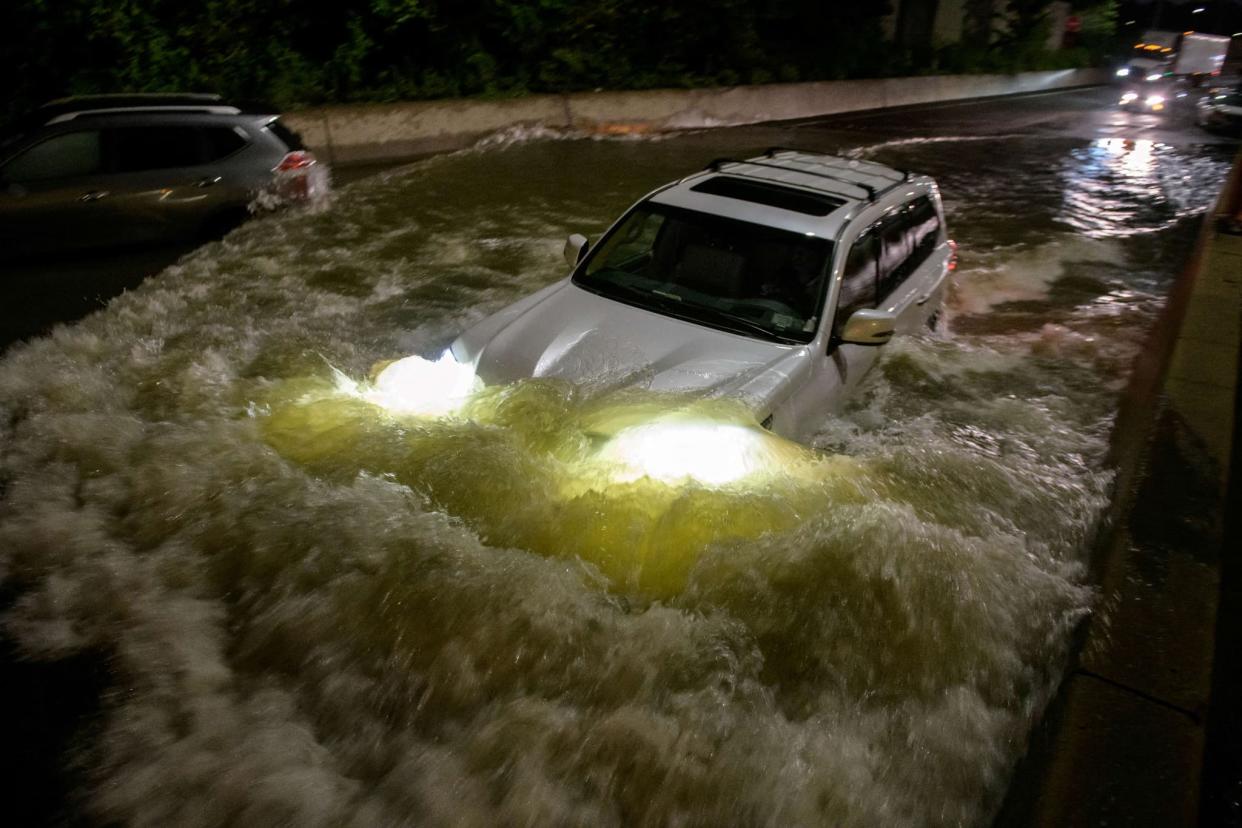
122	169
1152	99
1189	56
774	280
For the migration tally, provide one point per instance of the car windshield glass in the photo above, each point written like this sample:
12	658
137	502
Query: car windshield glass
727	274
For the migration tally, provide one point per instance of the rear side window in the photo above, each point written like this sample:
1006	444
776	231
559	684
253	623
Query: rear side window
895	249
62	156
288	137
136	149
221	142
859	281
924	230
907	238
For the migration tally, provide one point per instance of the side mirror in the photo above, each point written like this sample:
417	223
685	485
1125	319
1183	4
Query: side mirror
869	327
575	248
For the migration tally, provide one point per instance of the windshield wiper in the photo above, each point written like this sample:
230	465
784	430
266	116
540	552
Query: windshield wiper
749	325
649	295
681	308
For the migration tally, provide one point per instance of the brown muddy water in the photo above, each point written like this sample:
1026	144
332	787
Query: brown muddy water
312	613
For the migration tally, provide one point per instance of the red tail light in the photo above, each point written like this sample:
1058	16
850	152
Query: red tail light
952	255
299	160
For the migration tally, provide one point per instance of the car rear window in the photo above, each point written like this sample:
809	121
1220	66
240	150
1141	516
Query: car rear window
769	195
288	137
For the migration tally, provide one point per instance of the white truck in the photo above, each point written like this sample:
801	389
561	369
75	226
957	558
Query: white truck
1164	55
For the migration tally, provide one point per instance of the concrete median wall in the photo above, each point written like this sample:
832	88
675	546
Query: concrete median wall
384	132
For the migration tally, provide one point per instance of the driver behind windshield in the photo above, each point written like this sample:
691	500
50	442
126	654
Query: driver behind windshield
712	267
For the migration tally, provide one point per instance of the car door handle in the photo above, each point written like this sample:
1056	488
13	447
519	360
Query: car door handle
93	195
208	181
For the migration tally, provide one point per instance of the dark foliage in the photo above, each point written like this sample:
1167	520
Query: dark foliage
295	53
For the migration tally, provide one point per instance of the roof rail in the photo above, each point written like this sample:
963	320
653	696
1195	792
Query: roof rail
124	97
715	166
175	109
773	151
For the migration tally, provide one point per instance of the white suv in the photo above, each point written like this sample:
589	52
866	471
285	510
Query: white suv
771	280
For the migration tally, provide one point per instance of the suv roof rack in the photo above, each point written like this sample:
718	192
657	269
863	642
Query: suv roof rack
772	152
715	166
878	170
66	109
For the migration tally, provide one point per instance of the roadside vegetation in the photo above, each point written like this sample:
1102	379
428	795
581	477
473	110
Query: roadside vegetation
293	54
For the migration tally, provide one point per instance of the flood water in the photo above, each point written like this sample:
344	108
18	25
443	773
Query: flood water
317	614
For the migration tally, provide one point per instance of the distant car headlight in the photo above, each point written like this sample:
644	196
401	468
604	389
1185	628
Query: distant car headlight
1123	71
1129	97
1154	76
1154	100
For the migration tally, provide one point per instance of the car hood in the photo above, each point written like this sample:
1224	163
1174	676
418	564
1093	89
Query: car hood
569	333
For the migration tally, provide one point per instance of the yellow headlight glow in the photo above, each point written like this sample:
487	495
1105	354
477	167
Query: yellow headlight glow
419	386
716	454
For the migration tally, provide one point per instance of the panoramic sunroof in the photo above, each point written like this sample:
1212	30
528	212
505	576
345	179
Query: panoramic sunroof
769	195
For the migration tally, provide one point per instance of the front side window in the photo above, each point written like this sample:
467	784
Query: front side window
859	280
62	156
720	272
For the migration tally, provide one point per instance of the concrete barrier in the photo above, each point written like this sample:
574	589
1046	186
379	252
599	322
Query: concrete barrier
384	132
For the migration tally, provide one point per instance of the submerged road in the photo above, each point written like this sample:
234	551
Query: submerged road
298	611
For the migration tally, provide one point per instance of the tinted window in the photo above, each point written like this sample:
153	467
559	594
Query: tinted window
895	249
221	142
134	149
924	230
769	195
858	282
71	154
907	238
287	136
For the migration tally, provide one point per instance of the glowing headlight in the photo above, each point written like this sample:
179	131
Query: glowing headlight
1123	71
418	386
712	453
1154	76
1154	100
1129	96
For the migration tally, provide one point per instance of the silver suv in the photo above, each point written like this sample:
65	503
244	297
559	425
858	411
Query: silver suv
773	280
130	169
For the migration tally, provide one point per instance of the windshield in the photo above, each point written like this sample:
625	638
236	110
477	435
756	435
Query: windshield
727	274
